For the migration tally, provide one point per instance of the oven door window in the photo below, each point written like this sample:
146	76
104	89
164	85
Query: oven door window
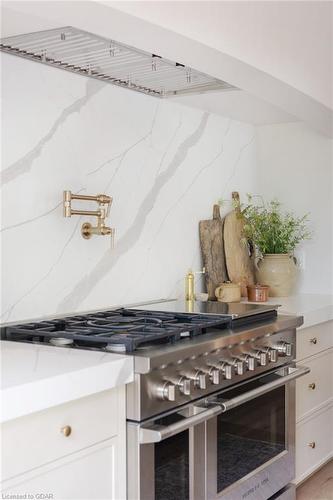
250	435
172	465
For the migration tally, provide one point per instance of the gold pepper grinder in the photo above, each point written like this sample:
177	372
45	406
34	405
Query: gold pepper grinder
190	285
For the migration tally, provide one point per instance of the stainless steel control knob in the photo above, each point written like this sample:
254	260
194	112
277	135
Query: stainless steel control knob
284	348
198	377
213	374
249	361
185	385
238	366
261	357
227	368
271	353
166	392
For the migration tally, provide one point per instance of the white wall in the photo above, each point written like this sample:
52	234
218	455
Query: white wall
295	165
164	164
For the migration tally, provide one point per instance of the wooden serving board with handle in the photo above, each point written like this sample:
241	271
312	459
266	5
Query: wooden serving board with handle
240	264
212	249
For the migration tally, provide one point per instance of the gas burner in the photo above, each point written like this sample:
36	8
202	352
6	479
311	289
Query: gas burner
61	342
119	348
121	330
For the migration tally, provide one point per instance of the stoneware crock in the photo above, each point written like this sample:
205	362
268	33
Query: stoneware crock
279	272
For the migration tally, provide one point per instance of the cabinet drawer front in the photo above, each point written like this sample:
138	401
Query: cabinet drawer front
315	388
314	442
88	474
42	437
315	339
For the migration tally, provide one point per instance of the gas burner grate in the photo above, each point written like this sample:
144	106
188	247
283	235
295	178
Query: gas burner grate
121	329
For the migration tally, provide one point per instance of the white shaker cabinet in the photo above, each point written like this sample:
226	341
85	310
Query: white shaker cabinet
87	474
72	451
314	399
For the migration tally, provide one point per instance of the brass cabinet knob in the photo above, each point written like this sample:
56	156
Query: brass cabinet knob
313	341
312	386
66	430
312	444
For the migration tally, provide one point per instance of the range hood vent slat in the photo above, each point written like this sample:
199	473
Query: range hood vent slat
91	55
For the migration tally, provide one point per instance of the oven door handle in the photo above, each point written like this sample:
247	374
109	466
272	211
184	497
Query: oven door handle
293	374
156	433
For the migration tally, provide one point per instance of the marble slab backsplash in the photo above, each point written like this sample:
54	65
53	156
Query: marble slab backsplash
163	163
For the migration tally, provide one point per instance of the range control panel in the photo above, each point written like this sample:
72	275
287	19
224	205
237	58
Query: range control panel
196	375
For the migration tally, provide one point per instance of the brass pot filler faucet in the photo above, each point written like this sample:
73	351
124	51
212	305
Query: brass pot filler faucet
87	229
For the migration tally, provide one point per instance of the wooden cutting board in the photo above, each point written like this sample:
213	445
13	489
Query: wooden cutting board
240	264
212	249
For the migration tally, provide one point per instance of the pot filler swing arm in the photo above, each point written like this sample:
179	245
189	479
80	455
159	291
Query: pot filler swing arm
87	229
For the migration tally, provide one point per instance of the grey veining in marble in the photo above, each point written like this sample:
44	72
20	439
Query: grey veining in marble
84	287
25	164
165	165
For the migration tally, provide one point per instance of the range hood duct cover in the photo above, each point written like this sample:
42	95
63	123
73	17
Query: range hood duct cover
94	56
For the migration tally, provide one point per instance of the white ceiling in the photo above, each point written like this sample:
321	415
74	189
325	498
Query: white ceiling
264	98
290	40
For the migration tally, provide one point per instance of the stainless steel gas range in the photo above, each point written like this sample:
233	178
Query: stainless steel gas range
211	412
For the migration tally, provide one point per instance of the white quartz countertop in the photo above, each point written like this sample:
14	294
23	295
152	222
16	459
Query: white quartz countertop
315	308
36	377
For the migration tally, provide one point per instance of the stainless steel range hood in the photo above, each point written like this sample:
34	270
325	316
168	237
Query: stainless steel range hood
91	55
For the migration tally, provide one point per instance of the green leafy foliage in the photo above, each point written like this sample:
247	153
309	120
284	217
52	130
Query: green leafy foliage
269	229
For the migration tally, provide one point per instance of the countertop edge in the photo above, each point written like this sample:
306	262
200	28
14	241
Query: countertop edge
31	397
316	317
24	399
314	308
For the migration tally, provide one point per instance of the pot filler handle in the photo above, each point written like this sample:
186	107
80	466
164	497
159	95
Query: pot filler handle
293	374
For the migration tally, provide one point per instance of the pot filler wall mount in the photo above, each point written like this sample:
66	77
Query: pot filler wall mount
87	229
104	59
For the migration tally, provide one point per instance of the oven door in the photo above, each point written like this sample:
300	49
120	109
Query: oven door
251	444
166	458
238	444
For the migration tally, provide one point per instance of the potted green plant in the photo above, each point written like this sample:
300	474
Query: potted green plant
274	235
